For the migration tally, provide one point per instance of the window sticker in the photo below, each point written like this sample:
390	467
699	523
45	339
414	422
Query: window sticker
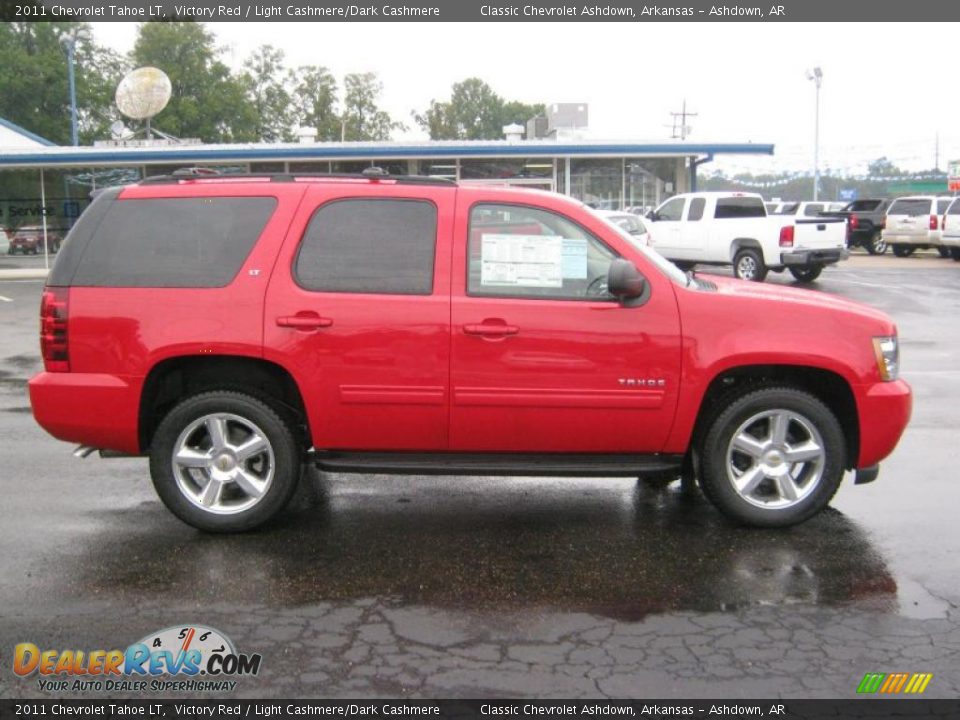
574	259
521	261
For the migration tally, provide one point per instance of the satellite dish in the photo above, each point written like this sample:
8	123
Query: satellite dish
118	130
143	93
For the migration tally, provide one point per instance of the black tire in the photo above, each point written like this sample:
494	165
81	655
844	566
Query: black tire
283	443
806	274
876	245
748	265
955	253
902	251
684	264
944	252
717	484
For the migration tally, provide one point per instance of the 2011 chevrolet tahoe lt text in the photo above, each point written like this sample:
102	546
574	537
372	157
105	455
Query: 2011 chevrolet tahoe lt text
233	328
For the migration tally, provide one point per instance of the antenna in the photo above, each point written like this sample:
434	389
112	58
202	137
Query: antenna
684	129
143	93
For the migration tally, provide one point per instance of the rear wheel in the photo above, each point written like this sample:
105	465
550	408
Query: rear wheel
944	252
773	457
877	245
224	461
955	253
684	264
807	274
903	251
748	265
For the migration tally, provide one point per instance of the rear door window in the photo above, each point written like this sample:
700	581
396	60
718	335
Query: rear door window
696	209
911	208
954	208
173	242
369	245
942	205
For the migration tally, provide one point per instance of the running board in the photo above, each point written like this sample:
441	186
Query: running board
576	465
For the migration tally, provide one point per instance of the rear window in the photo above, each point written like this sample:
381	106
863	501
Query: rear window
740	207
173	242
369	246
813	210
912	208
864	205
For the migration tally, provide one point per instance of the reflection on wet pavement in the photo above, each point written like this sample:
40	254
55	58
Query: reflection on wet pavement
613	548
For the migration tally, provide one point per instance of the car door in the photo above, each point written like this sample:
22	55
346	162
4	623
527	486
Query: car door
542	358
665	229
358	310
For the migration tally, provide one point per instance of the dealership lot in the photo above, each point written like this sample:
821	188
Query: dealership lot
425	586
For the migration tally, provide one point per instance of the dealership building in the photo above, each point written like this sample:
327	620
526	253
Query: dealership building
41	180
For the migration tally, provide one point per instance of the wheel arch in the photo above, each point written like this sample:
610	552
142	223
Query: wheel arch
828	386
739	244
173	379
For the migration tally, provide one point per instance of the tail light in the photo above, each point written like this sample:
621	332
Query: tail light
786	236
854	222
53	329
933	222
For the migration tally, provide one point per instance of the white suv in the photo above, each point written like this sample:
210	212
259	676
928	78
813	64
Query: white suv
950	229
913	223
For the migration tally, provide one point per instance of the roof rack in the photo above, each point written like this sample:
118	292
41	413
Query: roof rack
373	174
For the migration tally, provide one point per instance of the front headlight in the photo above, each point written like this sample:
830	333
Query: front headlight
887	350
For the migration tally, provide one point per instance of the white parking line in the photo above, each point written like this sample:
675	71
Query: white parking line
4	298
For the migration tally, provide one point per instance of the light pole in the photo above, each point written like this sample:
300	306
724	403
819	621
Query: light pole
817	76
69	42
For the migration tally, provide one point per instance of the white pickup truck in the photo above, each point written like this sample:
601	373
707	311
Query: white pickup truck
727	228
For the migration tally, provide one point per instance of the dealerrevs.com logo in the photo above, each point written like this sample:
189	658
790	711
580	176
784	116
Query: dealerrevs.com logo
191	658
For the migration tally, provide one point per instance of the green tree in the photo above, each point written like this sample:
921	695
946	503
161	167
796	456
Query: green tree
362	117
473	112
266	81
33	83
208	102
315	97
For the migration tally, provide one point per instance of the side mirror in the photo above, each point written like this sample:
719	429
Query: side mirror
625	282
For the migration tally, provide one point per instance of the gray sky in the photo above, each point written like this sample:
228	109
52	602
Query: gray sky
746	81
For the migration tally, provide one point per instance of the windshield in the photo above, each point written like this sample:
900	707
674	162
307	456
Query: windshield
664	265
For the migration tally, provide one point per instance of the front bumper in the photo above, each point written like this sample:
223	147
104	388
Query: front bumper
101	411
807	258
884	411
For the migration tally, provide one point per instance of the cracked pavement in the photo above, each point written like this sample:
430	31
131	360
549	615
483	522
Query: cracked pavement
424	587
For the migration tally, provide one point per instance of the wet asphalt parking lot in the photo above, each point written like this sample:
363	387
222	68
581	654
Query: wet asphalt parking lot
380	586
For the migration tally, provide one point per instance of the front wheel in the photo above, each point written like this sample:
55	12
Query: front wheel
806	274
877	245
773	457
748	265
902	251
224	461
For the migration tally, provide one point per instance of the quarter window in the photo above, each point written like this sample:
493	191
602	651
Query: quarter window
173	242
369	246
526	252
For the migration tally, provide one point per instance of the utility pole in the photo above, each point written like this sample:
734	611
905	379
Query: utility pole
816	75
936	152
684	128
69	43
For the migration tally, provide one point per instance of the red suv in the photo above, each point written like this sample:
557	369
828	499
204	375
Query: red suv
232	328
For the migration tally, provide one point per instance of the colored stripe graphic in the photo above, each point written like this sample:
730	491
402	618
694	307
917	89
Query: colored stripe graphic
895	683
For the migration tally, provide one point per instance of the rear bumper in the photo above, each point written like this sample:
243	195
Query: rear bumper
806	258
101	411
884	410
931	240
